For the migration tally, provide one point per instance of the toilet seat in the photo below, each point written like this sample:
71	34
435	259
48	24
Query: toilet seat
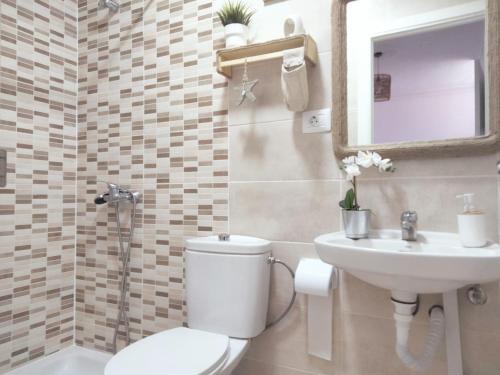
179	351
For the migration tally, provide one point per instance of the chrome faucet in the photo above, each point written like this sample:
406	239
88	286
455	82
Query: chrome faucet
409	225
115	194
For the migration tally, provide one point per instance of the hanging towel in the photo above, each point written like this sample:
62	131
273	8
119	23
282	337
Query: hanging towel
294	82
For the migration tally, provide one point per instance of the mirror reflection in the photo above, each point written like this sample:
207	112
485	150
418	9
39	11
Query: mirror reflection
416	70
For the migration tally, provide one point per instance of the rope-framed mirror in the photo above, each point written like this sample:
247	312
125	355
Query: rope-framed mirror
411	111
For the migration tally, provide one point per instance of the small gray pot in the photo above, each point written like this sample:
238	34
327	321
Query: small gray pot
356	223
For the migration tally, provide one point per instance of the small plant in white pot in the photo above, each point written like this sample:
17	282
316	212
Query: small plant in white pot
357	220
235	16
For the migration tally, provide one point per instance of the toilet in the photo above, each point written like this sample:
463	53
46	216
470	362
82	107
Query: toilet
227	290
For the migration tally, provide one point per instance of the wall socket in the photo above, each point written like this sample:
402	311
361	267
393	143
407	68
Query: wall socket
319	121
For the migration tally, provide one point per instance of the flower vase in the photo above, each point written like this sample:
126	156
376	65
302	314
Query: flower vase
236	35
356	223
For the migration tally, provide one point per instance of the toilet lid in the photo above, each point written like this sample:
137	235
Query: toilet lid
180	351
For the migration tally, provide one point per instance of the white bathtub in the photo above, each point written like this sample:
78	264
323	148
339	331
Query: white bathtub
70	361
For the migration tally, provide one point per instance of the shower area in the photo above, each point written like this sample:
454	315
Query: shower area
114	125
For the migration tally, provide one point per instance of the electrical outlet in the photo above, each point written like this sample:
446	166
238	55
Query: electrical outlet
319	121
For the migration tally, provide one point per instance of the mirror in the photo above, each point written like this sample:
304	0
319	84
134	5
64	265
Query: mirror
415	77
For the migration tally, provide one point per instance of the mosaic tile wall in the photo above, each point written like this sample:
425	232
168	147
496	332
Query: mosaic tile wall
38	93
152	117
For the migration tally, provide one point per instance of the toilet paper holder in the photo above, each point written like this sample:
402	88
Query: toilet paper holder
315	277
317	280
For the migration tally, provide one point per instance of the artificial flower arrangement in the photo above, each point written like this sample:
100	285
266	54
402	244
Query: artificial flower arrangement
357	220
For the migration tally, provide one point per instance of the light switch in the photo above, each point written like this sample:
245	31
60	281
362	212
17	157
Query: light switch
319	121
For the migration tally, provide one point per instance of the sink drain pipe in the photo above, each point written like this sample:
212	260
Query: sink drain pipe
406	307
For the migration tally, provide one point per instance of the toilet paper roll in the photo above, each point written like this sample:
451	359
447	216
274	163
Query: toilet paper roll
293	26
316	279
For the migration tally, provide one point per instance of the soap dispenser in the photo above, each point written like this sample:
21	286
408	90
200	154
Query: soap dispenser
471	223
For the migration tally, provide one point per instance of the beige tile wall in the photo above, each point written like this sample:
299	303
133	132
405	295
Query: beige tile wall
285	186
153	117
38	88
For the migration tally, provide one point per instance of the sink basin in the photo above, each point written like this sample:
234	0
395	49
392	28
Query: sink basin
435	263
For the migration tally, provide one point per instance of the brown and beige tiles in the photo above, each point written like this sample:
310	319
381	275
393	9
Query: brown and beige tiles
38	88
153	117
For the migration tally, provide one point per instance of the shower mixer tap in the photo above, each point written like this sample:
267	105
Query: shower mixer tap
113	191
116	193
112	5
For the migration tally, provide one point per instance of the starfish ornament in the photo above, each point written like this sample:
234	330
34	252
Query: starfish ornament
246	87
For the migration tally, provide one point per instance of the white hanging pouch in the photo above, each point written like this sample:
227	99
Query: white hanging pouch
294	82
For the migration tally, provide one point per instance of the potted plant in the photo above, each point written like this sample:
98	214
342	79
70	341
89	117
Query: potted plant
357	220
235	16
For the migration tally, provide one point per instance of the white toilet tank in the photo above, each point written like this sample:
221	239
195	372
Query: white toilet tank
227	285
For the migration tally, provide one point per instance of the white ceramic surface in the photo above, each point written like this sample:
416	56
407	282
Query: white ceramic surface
235	245
227	285
236	35
179	351
176	351
436	263
74	360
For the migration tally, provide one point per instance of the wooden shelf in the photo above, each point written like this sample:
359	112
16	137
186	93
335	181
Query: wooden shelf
274	49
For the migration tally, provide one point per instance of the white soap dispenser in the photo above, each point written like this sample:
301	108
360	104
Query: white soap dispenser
471	224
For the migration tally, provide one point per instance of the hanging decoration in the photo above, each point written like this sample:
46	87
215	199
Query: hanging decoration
382	82
246	87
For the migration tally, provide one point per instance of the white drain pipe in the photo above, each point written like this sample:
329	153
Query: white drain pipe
405	308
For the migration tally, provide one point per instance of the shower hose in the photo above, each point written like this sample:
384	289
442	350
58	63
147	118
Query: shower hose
122	317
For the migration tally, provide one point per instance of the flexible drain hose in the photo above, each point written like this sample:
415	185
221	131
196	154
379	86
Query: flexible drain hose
122	317
433	341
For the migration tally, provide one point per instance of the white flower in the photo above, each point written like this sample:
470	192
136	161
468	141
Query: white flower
352	170
365	159
385	165
376	159
349	160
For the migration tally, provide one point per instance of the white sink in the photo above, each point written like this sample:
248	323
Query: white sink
435	263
